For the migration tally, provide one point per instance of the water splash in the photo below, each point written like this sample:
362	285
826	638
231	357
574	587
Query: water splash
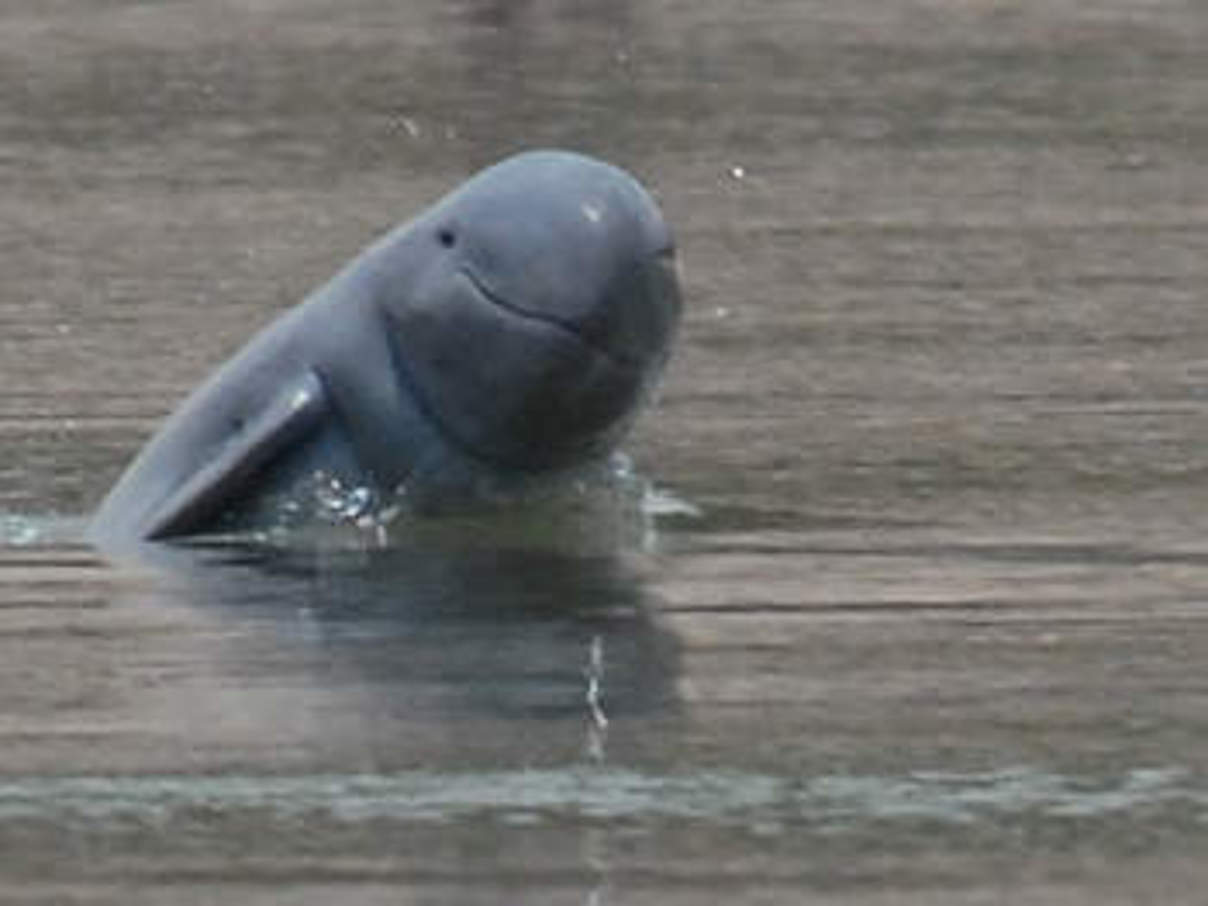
337	503
607	506
18	531
597	726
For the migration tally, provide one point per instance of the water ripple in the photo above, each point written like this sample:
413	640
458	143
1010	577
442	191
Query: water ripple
722	797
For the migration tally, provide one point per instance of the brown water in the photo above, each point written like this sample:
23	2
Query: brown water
937	632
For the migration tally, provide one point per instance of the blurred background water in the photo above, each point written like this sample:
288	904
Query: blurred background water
918	615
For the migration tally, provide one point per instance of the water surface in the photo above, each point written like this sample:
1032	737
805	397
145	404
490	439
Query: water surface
919	613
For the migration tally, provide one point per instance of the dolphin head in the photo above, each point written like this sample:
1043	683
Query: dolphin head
543	311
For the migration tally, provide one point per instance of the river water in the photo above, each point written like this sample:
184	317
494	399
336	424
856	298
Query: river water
917	610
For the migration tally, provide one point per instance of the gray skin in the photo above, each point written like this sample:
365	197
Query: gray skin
511	330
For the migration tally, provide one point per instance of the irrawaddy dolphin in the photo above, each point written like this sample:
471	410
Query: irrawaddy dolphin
512	329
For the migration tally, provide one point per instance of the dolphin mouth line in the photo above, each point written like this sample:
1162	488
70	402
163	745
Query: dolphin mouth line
428	411
454	439
562	325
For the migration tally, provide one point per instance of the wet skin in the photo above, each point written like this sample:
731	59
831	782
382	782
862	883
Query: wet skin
512	329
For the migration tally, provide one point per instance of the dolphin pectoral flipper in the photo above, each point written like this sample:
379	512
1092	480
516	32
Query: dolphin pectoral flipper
293	412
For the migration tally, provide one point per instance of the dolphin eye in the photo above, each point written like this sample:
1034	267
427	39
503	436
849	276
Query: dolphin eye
446	237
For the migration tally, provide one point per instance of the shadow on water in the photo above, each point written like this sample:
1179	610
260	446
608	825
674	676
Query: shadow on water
431	653
504	631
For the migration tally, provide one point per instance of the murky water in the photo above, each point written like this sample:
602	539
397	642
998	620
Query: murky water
919	612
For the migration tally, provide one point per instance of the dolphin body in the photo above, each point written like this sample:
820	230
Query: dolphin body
508	332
